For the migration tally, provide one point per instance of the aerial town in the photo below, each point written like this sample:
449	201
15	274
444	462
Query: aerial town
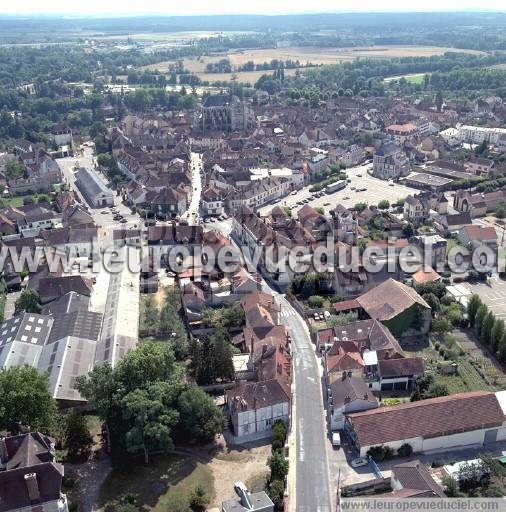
249	266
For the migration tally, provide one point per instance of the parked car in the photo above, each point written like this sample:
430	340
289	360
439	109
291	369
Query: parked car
123	221
361	461
336	440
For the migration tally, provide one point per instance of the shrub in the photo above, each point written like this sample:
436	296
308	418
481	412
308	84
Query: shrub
405	450
380	453
276	491
316	301
278	435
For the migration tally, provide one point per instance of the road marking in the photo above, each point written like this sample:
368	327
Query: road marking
301	440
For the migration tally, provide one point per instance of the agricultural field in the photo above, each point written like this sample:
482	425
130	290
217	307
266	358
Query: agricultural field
415	78
306	55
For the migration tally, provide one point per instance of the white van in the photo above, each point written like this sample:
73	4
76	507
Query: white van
336	440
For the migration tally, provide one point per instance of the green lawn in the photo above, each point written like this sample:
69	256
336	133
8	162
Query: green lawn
15	201
164	485
415	78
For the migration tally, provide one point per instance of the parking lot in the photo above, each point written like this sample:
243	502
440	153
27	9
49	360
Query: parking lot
493	294
375	191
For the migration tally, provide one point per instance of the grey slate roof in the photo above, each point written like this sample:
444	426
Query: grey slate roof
22	339
31	453
90	185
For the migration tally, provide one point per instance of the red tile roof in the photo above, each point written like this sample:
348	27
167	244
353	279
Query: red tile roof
435	417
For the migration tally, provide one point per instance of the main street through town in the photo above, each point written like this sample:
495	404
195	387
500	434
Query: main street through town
191	215
309	483
312	480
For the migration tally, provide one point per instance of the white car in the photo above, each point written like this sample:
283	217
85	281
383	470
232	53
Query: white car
336	440
361	461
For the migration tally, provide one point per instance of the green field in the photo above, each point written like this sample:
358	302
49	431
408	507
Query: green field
163	485
415	78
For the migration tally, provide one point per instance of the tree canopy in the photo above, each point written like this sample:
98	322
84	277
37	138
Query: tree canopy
26	400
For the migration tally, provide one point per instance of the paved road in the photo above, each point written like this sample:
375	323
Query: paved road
312	481
313	488
191	215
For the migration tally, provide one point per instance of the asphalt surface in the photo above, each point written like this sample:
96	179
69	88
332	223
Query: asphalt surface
376	190
312	481
312	470
191	215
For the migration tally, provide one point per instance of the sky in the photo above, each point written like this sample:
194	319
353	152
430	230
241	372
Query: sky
195	7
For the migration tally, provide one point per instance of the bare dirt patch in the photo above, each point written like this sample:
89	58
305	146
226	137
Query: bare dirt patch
306	55
230	463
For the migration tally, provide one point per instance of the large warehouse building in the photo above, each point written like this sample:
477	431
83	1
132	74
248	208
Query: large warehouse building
464	419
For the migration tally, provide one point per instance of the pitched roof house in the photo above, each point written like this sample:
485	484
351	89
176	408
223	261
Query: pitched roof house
31	478
475	417
397	306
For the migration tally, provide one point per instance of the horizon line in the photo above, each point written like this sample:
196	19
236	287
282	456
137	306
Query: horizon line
84	14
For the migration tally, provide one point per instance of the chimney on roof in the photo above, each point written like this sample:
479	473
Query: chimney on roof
32	486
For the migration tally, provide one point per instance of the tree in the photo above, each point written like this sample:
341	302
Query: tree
26	400
198	499
433	302
151	418
426	387
438	100
104	159
360	207
278	435
315	301
500	213
408	230
451	487
502	348
137	398
97	129
496	334
276	492
480	317
27	302
77	439
486	328
278	466
472	307
212	358
384	204
405	450
14	169
440	326
200	419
